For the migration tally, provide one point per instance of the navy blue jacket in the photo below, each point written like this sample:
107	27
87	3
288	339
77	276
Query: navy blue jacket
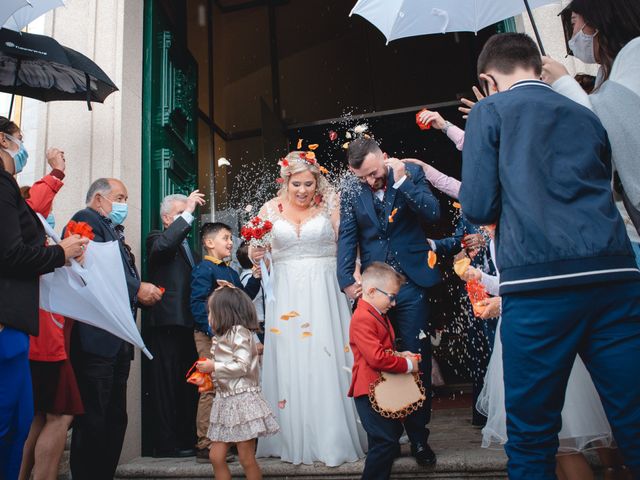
92	339
539	165
204	280
405	237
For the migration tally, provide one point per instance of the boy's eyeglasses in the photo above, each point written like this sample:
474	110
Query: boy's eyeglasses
392	298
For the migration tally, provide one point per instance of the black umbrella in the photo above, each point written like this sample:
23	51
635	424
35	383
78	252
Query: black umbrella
37	66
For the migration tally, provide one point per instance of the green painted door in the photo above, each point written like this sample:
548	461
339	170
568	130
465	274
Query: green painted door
170	116
169	143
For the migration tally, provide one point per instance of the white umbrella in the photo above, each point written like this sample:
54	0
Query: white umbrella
408	18
9	7
95	294
33	9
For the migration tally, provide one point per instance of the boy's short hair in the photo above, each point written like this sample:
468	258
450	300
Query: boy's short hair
505	52
211	229
379	273
242	254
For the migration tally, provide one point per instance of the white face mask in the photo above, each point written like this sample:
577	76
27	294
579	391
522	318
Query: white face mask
581	45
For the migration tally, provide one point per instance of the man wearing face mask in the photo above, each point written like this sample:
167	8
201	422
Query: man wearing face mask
170	328
101	360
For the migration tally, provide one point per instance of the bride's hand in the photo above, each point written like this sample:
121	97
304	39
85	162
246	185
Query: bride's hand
256	254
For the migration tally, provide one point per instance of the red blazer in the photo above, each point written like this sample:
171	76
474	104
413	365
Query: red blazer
370	334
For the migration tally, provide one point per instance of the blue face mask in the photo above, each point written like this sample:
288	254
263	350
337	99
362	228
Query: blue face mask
51	220
19	157
118	212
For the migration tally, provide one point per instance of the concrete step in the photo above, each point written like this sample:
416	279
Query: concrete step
454	440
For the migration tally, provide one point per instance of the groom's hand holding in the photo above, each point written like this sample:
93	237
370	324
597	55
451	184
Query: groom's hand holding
353	291
398	167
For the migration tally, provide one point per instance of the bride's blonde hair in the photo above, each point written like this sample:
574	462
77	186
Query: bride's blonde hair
297	162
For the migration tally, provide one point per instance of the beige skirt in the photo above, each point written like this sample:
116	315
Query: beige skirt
241	417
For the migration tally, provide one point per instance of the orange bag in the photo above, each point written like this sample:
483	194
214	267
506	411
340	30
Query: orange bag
201	380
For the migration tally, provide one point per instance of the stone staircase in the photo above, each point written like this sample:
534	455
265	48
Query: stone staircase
454	440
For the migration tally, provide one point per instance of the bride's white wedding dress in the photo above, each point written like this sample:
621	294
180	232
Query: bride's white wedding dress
307	360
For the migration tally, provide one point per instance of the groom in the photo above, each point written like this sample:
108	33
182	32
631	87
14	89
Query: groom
382	217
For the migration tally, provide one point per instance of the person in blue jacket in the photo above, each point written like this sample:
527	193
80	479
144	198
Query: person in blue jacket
217	242
539	166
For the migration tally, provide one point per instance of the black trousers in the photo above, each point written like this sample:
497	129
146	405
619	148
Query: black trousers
173	400
383	435
97	437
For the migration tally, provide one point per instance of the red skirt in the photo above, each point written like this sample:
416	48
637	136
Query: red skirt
55	389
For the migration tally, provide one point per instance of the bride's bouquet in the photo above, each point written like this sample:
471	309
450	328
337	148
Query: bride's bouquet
257	232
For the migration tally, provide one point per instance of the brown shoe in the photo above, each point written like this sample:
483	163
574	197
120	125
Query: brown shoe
202	455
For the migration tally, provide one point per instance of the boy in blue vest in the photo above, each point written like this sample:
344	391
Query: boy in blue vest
539	165
217	242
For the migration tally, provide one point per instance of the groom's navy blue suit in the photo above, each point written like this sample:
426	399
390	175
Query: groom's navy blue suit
401	243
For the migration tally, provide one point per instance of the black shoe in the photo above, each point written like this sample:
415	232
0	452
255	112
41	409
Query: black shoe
202	455
174	453
423	454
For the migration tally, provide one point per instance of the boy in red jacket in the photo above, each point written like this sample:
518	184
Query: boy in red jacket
372	342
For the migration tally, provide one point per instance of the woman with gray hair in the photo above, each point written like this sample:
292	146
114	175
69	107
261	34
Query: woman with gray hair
307	359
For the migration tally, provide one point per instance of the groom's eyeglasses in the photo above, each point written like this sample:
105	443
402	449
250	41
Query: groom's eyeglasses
392	298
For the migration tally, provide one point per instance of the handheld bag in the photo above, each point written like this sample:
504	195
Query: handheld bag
397	395
201	380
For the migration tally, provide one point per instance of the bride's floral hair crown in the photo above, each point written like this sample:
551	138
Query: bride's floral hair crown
299	161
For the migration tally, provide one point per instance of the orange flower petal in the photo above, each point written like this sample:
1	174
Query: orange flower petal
291	314
432	259
310	156
306	334
275	331
457	205
461	266
346	349
323	170
299	146
393	214
313	146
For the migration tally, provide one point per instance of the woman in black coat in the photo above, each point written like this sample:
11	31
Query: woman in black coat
23	258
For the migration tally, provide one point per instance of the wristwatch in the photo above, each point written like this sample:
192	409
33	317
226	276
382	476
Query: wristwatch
447	124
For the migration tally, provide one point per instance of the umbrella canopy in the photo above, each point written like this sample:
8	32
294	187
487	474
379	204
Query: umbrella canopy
408	18
95	294
9	7
37	66
25	15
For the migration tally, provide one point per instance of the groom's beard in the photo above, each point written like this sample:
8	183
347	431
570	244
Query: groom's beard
379	184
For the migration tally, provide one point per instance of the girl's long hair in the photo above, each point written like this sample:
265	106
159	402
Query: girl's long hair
617	22
229	307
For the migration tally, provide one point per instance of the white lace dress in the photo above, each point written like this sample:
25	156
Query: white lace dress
307	360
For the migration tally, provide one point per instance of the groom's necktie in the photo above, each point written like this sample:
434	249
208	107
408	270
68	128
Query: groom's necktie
187	251
378	205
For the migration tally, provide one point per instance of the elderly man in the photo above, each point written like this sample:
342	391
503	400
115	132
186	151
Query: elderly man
101	360
170	328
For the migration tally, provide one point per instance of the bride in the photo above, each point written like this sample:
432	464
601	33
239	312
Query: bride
307	361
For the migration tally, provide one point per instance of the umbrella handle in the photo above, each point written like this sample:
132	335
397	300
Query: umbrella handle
535	27
15	83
